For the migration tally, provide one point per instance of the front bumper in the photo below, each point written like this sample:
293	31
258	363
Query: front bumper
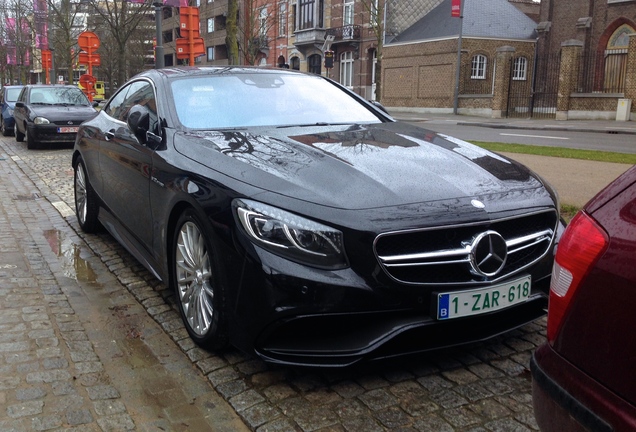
290	314
9	122
49	134
340	340
567	399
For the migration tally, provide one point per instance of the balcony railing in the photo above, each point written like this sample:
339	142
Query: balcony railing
348	32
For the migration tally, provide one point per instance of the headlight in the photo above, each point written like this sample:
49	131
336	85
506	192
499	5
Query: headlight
291	236
41	120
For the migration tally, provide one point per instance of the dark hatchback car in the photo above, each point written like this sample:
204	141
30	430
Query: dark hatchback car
585	375
299	222
47	114
8	97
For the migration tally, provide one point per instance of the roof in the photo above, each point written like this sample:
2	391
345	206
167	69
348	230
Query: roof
497	19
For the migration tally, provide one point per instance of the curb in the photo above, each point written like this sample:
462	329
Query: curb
548	128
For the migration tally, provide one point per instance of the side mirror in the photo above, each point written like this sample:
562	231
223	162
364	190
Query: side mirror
379	106
95	104
19	104
139	121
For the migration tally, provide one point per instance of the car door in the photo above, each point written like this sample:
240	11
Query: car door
125	165
20	112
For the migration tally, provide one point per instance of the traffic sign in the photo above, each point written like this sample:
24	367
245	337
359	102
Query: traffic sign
88	41
93	60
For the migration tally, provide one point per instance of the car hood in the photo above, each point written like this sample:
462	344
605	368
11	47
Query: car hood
357	166
62	112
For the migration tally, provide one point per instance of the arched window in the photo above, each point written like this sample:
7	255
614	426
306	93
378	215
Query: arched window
520	69
616	60
346	69
478	67
294	63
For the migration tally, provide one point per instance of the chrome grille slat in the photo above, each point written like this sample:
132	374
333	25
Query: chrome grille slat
528	238
428	263
423	256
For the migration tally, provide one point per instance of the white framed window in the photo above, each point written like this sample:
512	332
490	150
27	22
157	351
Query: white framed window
520	69
282	19
262	22
210	53
211	25
346	69
347	12
478	67
374	12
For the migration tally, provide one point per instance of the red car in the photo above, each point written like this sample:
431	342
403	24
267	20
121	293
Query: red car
584	377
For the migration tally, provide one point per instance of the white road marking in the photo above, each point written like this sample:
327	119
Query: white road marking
535	136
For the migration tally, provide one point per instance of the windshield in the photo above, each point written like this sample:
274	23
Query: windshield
264	99
12	94
58	96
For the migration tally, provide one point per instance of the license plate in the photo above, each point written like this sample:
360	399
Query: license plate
458	304
67	129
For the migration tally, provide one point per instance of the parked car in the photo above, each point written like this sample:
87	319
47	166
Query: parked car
8	96
299	222
50	114
584	375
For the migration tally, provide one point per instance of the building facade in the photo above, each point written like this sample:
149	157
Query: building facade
292	34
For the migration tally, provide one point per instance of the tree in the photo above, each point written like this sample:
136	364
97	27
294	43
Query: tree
123	23
231	27
17	32
255	29
376	10
68	21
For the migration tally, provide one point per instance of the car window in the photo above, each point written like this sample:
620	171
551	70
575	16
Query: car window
114	106
57	96
12	94
142	93
225	101
137	93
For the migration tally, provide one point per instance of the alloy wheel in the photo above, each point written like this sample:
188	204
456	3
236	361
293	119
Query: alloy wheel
193	278
80	194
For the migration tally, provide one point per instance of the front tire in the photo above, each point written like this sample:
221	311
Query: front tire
3	128
199	283
86	205
31	144
19	136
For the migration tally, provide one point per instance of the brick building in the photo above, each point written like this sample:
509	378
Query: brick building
578	60
598	31
419	64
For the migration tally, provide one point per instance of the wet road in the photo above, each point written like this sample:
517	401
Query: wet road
484	387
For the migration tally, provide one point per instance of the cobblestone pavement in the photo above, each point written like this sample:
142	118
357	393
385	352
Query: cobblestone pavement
64	363
484	387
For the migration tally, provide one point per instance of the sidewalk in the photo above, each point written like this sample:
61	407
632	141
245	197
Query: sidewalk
77	351
600	126
576	181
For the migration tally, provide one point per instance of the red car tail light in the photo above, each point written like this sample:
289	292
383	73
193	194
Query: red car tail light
583	242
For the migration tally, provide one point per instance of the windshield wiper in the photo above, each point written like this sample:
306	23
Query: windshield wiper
312	125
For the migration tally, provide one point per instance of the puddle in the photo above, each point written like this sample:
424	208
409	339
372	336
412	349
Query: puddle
73	265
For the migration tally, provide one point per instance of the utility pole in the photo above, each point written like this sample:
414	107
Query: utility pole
159	60
459	56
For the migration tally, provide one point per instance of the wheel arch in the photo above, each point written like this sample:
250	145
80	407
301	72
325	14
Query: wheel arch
175	213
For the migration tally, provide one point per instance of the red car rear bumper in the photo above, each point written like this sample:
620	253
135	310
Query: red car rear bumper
566	399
